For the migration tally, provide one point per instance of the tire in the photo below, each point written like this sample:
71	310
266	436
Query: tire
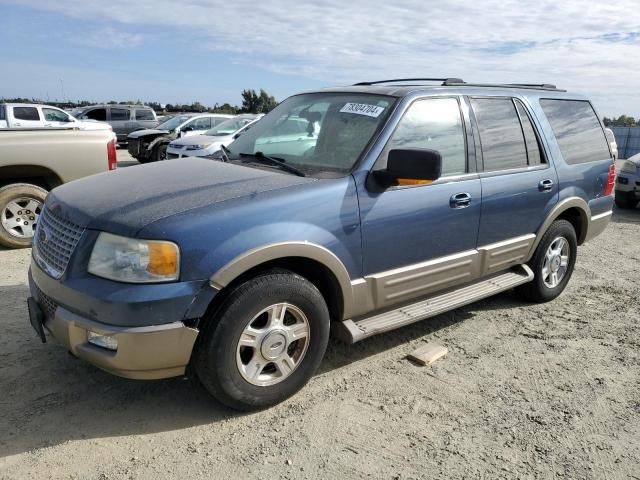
20	207
543	289
226	368
626	200
160	152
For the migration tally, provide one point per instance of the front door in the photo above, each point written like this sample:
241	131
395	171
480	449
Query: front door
420	238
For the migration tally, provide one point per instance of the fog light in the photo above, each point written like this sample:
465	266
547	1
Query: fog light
103	341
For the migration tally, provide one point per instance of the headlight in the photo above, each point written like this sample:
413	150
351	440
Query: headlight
202	146
628	167
134	261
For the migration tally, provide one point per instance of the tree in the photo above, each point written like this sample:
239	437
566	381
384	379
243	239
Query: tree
254	103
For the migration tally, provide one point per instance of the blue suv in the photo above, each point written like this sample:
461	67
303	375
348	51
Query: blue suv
408	199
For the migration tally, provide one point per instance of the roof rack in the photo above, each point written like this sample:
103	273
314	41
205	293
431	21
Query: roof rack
445	81
457	82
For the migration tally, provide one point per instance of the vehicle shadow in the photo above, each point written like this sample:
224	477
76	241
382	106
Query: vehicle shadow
51	398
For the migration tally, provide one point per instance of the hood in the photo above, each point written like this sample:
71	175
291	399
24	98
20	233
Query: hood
128	199
144	133
197	139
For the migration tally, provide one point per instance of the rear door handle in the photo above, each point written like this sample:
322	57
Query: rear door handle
460	200
545	185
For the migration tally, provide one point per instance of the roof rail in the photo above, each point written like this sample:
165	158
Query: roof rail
445	81
457	82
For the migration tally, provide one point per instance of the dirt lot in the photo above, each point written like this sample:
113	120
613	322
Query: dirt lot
527	391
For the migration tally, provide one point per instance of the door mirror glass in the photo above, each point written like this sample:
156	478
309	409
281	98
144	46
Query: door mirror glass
411	166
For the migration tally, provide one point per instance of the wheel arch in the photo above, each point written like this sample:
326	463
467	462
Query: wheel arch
573	209
37	175
314	262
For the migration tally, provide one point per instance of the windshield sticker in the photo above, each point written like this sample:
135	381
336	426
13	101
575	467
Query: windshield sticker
363	109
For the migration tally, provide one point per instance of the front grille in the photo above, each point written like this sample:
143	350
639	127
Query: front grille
171	156
47	304
54	242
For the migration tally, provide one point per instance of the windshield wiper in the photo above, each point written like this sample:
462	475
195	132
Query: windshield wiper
278	162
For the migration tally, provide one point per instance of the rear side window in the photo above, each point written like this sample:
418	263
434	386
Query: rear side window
26	113
577	130
501	135
434	124
530	139
144	114
119	114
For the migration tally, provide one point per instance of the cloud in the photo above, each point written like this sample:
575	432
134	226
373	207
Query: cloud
585	46
110	37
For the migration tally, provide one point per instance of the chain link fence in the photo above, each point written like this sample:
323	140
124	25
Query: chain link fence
628	140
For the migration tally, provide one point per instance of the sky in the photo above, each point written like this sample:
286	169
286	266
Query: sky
209	51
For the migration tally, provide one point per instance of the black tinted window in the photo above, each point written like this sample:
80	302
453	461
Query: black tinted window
434	124
119	114
577	129
97	114
26	113
500	133
144	115
530	138
2	117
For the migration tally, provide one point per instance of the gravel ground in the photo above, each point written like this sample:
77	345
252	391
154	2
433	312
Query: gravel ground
527	391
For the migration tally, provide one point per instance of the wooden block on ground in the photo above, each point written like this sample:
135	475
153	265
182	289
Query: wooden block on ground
429	353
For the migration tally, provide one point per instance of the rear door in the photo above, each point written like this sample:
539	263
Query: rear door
120	120
145	118
25	117
519	184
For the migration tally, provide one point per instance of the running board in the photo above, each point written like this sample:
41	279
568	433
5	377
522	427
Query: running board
352	331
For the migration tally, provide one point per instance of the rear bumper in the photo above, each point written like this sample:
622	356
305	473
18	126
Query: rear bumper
597	225
143	353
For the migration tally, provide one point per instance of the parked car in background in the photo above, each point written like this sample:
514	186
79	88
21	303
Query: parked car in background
123	118
151	145
32	162
211	141
628	182
28	115
612	143
415	200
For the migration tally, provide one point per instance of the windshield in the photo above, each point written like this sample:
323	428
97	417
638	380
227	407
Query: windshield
173	122
228	127
317	133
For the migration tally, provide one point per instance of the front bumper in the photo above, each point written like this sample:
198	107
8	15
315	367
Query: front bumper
144	353
173	153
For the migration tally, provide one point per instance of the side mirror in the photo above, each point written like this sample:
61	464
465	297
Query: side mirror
188	128
419	164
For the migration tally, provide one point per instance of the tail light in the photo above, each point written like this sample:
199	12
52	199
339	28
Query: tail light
112	159
611	180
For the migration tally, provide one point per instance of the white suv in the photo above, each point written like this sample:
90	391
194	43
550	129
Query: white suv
27	115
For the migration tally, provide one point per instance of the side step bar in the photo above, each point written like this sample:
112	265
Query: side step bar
352	331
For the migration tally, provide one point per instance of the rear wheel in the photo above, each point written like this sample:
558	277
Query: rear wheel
626	200
552	263
264	343
20	208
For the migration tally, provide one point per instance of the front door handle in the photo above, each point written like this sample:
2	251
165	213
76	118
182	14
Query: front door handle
460	200
545	185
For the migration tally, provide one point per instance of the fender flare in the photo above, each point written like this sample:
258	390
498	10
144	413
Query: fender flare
559	209
274	251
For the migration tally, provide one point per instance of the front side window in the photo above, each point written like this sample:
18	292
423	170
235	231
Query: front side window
577	130
501	135
119	114
26	113
144	114
434	124
336	129
99	114
53	115
200	124
228	127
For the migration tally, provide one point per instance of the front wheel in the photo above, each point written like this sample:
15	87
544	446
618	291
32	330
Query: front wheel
160	153
552	263
20	208
264	343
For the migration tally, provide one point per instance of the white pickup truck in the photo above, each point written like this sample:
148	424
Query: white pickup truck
27	115
34	161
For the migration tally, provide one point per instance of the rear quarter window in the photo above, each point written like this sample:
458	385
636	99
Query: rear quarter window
577	129
26	113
